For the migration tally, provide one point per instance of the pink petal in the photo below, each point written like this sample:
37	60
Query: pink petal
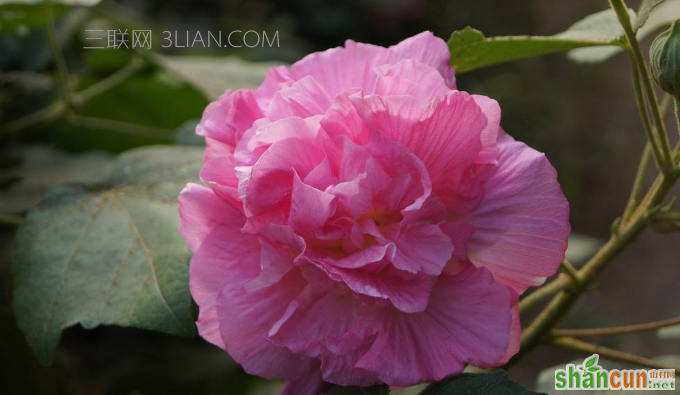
229	116
412	78
270	181
245	318
220	176
340	69
466	321
309	383
305	98
310	208
489	135
428	49
200	211
315	328
224	247
522	223
422	247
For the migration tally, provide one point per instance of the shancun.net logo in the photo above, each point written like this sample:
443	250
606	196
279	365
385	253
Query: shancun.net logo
591	376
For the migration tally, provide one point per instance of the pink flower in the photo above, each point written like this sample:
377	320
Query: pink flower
366	222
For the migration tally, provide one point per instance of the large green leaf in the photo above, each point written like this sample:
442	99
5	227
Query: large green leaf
496	383
470	50
107	255
375	390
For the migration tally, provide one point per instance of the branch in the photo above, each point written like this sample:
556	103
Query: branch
617	330
59	108
621	11
11	219
569	343
59	61
119	126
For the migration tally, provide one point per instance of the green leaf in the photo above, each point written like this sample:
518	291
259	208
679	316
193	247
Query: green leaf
39	168
496	383
581	247
212	75
590	361
107	255
670	332
593	369
470	50
375	390
651	18
645	9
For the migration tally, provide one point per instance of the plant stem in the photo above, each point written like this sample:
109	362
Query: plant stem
570	343
11	219
642	109
638	184
544	292
111	81
119	126
677	112
617	330
59	61
570	271
58	109
623	16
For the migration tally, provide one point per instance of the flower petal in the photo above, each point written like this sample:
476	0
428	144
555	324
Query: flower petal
245	318
522	223
201	210
454	330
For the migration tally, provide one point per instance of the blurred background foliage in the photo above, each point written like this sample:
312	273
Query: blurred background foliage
582	116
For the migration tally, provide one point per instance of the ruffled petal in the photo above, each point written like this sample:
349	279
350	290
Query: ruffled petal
343	68
454	330
410	77
428	49
201	210
305	98
224	247
229	116
245	318
522	223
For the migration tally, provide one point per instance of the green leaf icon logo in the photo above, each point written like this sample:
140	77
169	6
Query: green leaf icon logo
591	363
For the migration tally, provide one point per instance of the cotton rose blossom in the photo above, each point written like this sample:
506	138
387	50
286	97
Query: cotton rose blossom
365	222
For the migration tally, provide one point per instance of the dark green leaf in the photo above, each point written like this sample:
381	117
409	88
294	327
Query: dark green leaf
107	255
470	50
496	383
375	390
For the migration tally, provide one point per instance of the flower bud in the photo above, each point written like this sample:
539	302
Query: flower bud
665	59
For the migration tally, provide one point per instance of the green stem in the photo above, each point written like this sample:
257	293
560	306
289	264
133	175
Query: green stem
617	330
572	344
638	184
58	109
644	115
623	16
60	62
119	126
677	112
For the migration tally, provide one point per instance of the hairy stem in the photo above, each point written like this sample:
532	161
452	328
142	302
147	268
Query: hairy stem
570	343
617	330
59	108
59	61
623	16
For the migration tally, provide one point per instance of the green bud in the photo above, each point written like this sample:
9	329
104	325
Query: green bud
665	59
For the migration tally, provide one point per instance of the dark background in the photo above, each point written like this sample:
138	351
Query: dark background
582	116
